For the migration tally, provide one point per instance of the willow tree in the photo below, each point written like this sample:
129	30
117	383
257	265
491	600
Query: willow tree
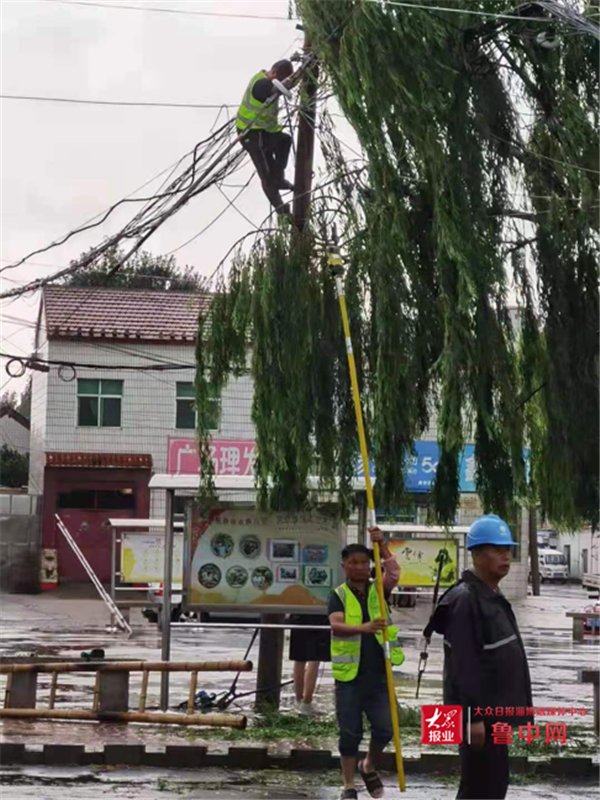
479	193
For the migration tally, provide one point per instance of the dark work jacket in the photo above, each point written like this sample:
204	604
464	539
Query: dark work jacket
485	665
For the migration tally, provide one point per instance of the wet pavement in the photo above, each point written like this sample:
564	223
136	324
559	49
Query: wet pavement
219	784
65	624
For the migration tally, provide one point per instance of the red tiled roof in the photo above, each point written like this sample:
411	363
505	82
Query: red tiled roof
122	314
121	460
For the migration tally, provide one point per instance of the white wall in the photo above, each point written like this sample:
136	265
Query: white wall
148	403
578	542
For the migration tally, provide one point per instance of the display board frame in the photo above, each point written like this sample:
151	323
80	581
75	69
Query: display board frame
282	551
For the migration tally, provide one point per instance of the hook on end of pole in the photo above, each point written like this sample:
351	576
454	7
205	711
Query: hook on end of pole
334	259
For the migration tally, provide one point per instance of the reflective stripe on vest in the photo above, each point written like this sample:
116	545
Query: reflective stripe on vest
345	650
256	115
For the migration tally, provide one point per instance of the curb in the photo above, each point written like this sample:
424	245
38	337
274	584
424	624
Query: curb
257	758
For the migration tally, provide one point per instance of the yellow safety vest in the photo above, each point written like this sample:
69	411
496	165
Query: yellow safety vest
345	650
256	115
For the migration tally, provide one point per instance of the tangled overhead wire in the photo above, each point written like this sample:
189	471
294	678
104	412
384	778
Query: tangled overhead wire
210	162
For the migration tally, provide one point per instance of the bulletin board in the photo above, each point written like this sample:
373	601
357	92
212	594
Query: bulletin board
143	558
241	559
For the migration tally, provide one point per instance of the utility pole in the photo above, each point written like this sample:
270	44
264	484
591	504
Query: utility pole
305	143
533	550
270	647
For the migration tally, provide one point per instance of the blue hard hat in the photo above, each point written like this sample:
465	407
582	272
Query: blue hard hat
489	529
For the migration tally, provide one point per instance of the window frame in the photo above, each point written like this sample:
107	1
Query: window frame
215	398
100	396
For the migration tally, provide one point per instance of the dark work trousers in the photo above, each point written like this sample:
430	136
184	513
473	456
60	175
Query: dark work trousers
483	773
364	695
269	153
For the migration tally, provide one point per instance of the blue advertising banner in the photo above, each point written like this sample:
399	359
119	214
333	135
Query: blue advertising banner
422	467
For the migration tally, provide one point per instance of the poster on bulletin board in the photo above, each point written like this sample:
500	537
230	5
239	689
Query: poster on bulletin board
245	559
418	560
143	557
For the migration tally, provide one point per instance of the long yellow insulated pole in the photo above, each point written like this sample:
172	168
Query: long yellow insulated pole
336	264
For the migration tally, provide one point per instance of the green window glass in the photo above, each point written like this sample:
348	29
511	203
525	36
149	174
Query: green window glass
99	403
185	408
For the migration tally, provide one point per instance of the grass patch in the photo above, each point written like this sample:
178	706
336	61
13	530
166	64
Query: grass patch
274	726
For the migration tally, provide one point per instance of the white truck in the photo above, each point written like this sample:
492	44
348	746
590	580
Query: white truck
552	565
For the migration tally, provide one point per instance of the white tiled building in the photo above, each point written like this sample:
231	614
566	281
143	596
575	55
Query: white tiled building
99	432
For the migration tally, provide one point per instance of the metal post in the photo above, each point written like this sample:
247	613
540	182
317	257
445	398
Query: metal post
166	600
113	571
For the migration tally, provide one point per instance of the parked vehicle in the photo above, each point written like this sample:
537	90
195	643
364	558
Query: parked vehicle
153	612
553	565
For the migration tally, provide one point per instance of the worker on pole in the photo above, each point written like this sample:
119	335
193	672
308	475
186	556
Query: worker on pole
260	133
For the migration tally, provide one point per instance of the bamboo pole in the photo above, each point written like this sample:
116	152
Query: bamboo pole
8	689
192	694
144	690
336	263
96	700
129	666
208	720
53	684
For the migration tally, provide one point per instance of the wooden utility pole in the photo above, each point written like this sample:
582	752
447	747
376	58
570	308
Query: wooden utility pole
305	143
270	648
270	660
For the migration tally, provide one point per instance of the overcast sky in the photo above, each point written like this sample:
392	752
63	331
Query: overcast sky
62	164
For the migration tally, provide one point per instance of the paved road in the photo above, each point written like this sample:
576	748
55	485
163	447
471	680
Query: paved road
214	784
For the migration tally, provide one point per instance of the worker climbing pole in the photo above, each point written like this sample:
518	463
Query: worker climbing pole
261	134
337	269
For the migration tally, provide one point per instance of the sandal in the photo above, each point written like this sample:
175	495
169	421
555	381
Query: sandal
372	781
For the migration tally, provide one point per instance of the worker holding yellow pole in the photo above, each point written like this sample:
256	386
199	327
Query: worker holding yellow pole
361	626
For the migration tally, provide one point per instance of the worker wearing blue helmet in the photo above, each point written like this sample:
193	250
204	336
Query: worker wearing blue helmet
485	666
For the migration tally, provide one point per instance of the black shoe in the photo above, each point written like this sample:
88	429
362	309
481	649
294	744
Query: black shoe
349	794
286	185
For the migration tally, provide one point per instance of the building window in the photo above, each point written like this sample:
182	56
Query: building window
98	499
185	415
99	403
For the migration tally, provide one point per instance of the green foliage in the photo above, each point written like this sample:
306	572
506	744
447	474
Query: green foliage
279	305
142	271
14	467
479	189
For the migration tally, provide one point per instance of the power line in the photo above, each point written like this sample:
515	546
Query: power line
230	203
472	11
84	225
131	103
159	367
158	10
